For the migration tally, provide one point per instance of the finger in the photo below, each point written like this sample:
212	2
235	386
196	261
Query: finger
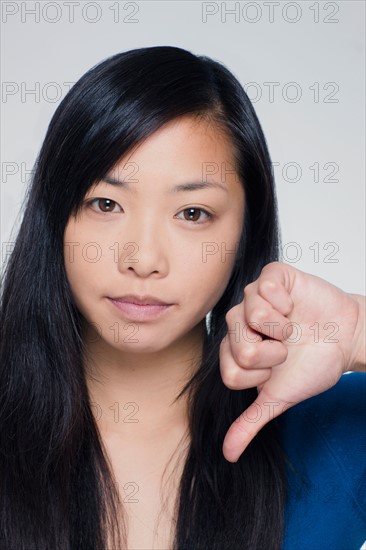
248	350
249	423
234	376
255	314
275	284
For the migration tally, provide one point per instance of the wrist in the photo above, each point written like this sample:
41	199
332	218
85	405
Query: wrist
358	360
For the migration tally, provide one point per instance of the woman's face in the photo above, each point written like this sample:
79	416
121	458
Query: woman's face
151	238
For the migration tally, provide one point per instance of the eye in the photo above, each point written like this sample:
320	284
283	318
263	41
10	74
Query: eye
108	204
192	213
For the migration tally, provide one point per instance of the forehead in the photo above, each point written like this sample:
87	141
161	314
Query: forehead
188	144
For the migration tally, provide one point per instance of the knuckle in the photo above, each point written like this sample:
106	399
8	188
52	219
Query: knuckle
267	284
248	288
247	356
229	315
242	428
269	267
229	379
266	267
260	314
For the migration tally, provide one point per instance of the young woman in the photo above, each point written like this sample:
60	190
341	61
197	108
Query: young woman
167	382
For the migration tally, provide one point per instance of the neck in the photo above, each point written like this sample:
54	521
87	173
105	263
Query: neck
132	394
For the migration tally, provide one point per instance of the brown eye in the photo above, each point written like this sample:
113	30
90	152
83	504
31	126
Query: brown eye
193	215
106	205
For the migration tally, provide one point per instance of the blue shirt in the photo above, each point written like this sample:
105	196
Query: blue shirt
325	439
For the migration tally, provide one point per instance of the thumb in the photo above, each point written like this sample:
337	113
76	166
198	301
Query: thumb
249	423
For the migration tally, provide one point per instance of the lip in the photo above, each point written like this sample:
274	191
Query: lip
140	312
141	300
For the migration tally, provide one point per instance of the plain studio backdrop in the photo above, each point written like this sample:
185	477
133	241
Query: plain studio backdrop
301	63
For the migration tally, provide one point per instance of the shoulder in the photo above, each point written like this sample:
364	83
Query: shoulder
337	415
324	439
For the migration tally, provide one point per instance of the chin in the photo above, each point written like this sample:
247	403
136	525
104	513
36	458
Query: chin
139	348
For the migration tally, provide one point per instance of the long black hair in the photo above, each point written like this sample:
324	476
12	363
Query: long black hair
57	489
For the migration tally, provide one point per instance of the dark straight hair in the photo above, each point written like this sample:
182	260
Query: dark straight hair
57	489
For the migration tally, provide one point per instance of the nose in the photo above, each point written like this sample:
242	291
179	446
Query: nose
143	246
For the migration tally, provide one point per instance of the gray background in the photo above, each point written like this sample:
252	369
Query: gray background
313	51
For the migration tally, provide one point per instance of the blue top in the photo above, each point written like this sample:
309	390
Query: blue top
325	439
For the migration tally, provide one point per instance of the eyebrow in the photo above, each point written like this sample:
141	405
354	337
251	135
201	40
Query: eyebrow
190	186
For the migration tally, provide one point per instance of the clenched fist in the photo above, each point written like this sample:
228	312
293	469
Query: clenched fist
292	337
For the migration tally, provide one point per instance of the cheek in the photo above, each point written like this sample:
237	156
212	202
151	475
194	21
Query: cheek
83	264
206	270
91	248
